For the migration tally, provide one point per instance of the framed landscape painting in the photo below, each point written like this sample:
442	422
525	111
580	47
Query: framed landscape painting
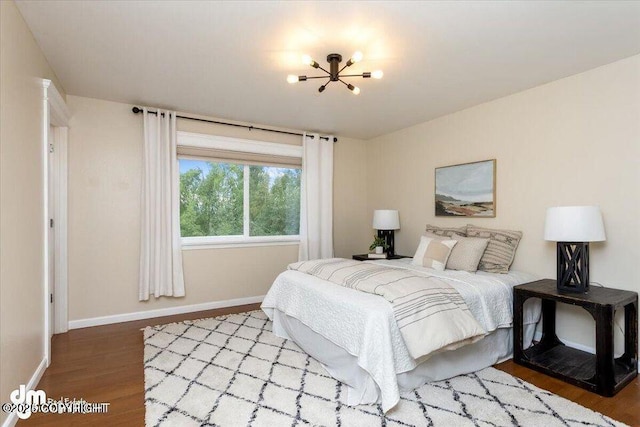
468	189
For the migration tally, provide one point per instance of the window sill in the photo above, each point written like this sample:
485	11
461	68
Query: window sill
196	243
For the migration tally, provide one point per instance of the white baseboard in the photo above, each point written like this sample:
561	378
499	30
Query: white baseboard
12	419
149	314
538	335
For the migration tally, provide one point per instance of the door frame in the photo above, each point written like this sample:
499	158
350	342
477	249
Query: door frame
56	114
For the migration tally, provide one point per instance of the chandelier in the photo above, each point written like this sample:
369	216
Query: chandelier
334	60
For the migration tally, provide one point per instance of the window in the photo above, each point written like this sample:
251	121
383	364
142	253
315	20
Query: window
274	201
235	196
211	198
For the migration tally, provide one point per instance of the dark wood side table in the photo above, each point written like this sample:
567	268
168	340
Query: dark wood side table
600	373
365	257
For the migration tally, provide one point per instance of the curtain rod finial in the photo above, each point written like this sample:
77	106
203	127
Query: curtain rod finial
136	110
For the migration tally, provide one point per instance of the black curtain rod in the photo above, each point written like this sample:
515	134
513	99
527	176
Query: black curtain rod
137	110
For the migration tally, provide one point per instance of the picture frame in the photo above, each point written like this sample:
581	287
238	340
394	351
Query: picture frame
466	190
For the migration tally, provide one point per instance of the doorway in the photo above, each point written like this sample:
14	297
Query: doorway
56	118
51	235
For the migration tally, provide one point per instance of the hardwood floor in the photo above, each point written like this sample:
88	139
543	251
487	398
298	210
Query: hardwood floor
104	364
624	406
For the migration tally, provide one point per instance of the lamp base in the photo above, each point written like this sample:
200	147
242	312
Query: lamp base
387	235
573	267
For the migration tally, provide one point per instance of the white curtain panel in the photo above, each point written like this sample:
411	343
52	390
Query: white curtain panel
316	199
160	248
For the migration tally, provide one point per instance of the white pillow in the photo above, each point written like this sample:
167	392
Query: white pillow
433	253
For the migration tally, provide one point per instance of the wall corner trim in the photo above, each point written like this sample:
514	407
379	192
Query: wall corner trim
12	419
60	113
169	311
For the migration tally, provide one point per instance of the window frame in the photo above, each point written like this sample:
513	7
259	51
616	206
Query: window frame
223	143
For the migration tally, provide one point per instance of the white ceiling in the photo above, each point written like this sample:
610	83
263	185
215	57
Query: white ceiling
231	59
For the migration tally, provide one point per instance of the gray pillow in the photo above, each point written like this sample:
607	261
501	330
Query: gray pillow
446	231
501	250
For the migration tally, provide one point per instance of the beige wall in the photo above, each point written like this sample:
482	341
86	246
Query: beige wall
351	227
22	66
105	158
575	141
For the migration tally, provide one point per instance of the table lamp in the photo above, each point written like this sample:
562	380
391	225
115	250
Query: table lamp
573	227
386	221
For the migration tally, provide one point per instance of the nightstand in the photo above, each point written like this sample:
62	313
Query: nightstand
601	372
365	257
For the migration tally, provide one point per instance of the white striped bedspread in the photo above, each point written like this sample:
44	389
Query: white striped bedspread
431	315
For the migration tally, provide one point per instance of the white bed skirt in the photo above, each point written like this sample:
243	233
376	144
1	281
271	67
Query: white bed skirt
362	389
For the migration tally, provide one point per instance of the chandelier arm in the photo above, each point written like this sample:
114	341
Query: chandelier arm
316	77
321	88
354	75
324	70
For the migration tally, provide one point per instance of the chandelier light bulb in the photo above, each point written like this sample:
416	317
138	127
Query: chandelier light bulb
354	89
357	57
307	60
377	74
292	78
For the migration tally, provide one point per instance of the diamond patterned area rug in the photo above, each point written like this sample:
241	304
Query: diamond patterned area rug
232	371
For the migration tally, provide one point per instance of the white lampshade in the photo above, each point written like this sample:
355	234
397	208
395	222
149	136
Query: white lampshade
385	219
574	224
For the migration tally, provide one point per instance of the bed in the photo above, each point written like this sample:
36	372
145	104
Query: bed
356	338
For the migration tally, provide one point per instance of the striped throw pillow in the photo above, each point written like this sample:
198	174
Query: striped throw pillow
446	231
501	250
